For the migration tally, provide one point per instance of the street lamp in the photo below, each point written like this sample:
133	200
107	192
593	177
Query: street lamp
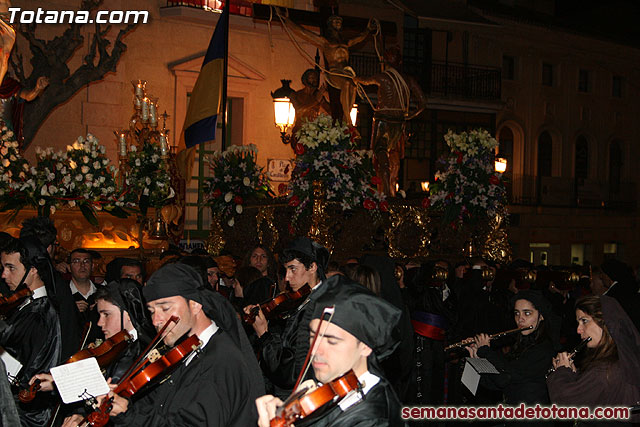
283	109
500	164
353	114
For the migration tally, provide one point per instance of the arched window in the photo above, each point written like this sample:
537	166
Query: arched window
545	156
505	139
615	166
582	158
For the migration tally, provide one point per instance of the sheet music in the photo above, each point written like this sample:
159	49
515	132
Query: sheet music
482	366
79	380
472	370
12	364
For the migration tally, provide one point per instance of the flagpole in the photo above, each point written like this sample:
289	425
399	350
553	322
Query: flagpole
225	75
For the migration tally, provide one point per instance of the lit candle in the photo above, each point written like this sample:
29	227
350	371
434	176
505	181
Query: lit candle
145	110
123	144
164	147
139	91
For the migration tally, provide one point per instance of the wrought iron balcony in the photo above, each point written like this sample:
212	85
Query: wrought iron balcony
567	192
470	82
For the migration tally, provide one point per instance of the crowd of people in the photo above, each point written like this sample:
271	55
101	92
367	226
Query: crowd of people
260	340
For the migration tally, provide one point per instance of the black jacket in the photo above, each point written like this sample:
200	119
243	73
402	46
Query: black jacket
380	407
213	390
521	379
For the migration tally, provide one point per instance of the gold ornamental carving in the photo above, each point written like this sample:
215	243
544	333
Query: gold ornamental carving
319	230
401	216
264	219
215	242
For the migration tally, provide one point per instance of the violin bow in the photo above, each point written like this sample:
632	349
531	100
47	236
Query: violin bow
152	345
327	311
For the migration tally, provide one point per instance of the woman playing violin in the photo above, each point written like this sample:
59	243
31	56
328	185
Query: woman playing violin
608	374
355	340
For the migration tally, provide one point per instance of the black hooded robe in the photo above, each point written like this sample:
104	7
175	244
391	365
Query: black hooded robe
212	390
282	355
32	336
379	408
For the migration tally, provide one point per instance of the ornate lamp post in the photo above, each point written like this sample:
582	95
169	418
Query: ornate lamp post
283	109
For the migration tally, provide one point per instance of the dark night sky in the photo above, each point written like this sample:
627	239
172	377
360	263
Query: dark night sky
609	19
617	19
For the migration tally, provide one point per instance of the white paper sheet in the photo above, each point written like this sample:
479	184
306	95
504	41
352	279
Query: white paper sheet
79	380
472	370
12	364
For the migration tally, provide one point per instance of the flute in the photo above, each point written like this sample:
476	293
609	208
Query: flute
470	341
575	351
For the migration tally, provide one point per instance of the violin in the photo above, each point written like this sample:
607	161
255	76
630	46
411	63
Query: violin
105	354
281	304
10	303
139	378
303	404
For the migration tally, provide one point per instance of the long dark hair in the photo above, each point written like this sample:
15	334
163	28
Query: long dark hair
606	351
542	332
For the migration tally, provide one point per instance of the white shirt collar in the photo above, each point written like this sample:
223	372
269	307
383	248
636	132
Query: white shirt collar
317	285
134	334
368	381
204	336
41	292
74	289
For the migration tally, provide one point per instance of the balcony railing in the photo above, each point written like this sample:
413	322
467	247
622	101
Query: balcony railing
450	80
237	7
567	192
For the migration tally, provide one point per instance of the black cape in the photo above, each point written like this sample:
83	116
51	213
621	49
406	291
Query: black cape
380	407
283	354
212	390
32	336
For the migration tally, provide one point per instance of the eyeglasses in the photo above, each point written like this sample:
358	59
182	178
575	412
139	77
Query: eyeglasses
81	261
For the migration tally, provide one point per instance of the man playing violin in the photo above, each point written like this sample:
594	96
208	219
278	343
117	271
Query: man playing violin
32	332
213	387
355	340
283	352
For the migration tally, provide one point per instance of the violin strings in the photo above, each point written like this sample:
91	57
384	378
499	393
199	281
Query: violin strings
152	346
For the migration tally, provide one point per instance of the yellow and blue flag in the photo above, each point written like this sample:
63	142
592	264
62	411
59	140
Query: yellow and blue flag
206	97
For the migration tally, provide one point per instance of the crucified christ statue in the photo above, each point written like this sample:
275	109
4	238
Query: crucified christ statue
335	50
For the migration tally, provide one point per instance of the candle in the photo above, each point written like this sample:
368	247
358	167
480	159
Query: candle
123	144
137	103
153	113
139	91
164	148
145	110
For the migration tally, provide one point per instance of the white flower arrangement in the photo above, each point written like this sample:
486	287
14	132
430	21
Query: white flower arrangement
468	189
78	177
325	153
237	176
148	182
